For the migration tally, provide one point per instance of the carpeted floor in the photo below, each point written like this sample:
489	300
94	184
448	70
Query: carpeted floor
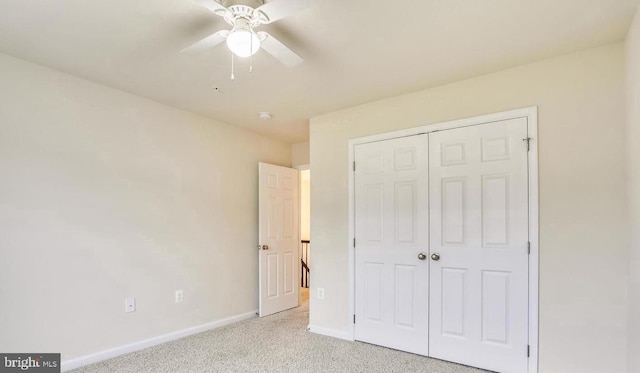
277	343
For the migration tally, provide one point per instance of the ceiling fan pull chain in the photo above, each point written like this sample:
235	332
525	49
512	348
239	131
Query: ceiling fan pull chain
232	76
251	49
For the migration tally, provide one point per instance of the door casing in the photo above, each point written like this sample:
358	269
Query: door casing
531	114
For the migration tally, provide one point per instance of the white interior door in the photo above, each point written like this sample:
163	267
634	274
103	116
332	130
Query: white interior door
391	231
479	230
278	238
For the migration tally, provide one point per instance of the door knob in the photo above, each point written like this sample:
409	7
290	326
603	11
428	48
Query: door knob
435	256
422	256
265	247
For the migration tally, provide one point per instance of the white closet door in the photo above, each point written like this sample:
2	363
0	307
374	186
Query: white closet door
479	230
391	215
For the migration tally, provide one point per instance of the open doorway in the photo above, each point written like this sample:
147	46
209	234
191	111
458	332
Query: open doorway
305	237
284	247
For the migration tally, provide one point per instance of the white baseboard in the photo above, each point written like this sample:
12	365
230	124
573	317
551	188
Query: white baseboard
330	332
70	364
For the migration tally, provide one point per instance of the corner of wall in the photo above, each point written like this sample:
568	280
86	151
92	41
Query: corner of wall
300	154
633	183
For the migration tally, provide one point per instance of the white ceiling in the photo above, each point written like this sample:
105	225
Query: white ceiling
355	51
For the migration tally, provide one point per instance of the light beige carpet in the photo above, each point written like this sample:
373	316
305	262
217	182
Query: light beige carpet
277	343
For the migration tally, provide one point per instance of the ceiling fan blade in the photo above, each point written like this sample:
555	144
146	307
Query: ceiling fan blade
213	6
278	9
278	50
207	43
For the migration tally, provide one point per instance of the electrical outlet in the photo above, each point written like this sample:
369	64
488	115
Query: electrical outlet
179	296
320	292
129	304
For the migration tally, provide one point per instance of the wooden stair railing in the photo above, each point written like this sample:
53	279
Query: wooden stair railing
304	260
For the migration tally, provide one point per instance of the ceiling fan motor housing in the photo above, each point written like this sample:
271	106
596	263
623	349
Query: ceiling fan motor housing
237	13
251	3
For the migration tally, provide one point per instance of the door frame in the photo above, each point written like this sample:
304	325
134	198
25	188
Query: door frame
531	114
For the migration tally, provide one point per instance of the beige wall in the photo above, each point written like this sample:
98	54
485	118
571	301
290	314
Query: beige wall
300	154
105	195
583	223
633	170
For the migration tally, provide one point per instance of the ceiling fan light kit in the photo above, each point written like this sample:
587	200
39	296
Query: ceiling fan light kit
242	40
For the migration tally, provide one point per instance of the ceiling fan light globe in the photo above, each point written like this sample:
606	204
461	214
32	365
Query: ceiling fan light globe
243	43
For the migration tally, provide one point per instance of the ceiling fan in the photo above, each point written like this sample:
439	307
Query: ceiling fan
242	39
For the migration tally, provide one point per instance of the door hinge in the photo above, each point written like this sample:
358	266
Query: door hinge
354	166
528	350
354	242
527	143
354	318
529	247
